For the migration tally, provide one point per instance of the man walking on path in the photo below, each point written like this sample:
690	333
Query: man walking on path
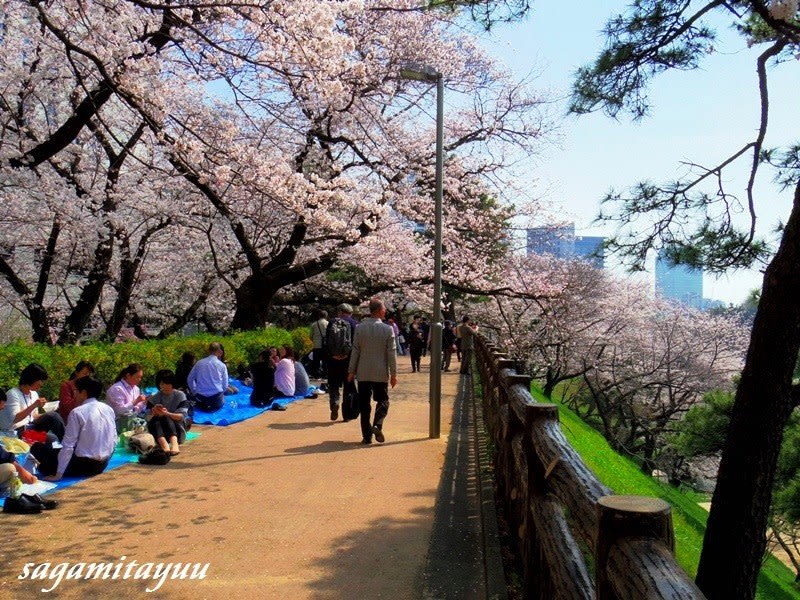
339	342
465	333
374	363
318	329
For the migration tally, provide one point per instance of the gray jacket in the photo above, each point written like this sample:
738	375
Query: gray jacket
373	357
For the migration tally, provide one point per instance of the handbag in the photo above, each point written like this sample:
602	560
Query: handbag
155	456
141	443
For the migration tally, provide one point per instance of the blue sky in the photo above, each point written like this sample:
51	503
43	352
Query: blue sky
702	116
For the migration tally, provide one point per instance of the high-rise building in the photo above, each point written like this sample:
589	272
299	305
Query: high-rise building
679	282
590	248
562	242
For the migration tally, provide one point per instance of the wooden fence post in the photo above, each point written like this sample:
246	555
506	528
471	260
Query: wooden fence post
621	517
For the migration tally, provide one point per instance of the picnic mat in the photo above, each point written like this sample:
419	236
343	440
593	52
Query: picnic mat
120	457
237	406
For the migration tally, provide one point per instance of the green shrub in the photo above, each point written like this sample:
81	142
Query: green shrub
109	359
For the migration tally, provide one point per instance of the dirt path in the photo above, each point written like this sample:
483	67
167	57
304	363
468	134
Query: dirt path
286	505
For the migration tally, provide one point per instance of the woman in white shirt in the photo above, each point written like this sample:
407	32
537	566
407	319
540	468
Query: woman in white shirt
23	403
284	376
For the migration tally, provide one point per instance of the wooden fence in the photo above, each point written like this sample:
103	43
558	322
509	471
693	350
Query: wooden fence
567	523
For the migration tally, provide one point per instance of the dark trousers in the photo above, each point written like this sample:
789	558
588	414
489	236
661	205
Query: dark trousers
447	355
337	379
209	404
319	362
368	390
79	466
416	353
51	423
162	427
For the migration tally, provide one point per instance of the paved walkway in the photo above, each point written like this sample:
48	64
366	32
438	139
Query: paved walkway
285	505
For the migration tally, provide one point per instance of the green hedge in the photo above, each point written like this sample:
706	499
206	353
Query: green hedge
110	359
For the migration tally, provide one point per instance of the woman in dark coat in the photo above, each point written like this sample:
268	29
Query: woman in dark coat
263	375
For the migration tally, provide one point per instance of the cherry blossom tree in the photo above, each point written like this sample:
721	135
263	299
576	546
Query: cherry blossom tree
640	363
288	121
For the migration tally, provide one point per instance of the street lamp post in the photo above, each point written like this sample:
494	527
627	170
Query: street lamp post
431	76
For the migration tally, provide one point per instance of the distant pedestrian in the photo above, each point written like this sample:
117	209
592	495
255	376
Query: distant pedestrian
466	333
374	363
318	358
448	344
416	343
339	343
425	328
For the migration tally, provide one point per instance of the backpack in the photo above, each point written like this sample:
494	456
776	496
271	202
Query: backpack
339	342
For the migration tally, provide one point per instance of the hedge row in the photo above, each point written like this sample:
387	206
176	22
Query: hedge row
109	359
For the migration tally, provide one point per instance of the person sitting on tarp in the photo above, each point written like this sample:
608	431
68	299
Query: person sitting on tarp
23	402
262	373
208	380
125	397
168	412
9	467
89	440
12	476
284	377
302	384
66	397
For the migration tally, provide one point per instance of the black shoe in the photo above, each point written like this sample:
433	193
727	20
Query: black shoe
335	412
21	506
378	434
366	441
48	504
277	406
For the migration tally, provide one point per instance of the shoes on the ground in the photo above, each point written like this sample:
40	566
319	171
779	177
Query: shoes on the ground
21	506
48	504
277	406
378	434
365	441
334	412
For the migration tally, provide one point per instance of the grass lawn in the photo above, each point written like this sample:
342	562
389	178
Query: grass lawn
776	581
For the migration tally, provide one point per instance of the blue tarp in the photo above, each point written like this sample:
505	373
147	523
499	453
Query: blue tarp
237	406
120	457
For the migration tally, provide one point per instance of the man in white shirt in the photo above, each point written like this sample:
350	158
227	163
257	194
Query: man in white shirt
89	440
208	380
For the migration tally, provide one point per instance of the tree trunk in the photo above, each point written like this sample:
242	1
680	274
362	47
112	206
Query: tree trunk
253	298
188	315
81	314
735	537
128	271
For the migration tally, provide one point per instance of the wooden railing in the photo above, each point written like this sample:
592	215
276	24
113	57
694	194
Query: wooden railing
564	518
